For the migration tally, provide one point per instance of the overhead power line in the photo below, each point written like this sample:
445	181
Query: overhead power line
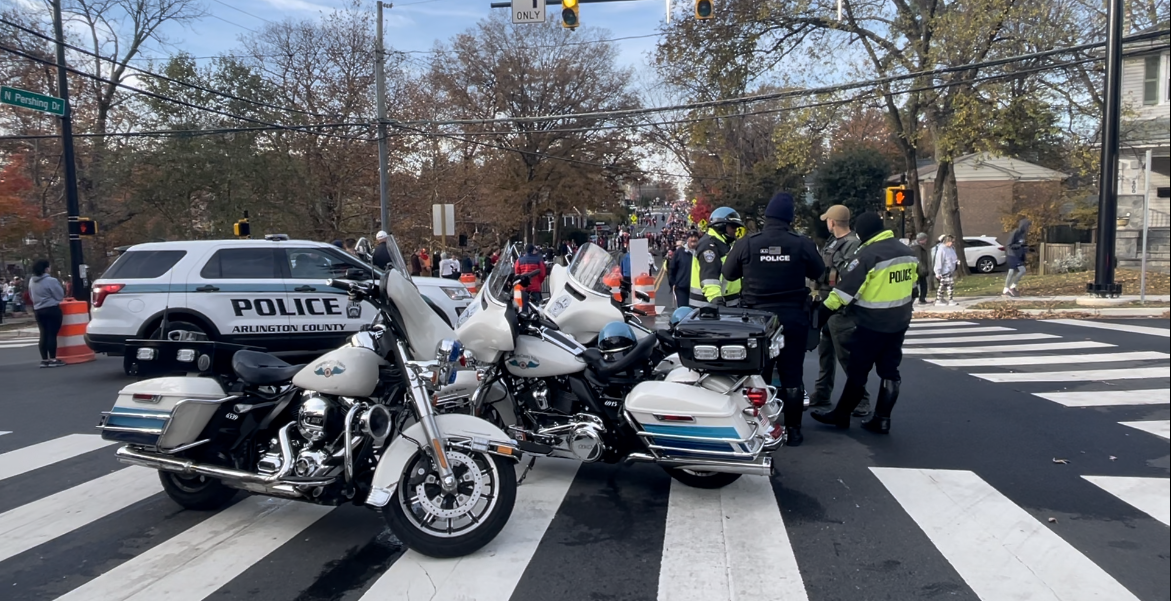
163	133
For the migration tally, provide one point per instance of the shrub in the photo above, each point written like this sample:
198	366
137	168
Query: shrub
1071	263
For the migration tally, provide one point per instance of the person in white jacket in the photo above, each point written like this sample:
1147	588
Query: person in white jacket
945	270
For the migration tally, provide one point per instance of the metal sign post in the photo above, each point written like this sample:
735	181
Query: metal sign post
383	150
71	201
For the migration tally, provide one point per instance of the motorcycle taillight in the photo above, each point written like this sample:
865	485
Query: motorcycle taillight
757	396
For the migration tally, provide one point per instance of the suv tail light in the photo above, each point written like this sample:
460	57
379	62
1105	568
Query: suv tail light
1000	248
101	291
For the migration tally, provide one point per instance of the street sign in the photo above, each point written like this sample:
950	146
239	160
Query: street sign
443	220
32	100
528	11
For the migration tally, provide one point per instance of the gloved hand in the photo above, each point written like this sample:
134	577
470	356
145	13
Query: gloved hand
719	301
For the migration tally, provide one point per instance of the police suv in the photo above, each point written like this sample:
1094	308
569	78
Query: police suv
269	293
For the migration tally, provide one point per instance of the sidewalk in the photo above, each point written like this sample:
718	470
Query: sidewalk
18	327
965	305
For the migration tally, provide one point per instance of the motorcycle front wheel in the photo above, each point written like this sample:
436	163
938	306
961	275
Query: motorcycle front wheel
452	524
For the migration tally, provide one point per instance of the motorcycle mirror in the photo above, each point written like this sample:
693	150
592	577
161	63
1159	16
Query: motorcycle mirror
355	273
642	296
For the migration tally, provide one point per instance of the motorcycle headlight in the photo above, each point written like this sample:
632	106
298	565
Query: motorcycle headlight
775	345
456	293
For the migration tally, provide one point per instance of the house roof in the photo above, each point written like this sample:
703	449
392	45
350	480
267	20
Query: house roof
1146	132
984	166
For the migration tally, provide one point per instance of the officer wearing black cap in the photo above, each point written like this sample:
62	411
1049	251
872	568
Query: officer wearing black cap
774	264
877	289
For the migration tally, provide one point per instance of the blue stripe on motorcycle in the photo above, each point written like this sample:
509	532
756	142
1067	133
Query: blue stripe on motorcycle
119	421
683	430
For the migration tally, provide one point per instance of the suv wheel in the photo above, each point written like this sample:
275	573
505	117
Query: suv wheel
180	325
986	265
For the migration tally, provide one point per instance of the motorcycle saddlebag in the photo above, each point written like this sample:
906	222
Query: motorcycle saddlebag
727	340
163	413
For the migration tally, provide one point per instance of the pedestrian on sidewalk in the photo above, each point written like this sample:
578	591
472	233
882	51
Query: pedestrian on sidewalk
5	296
46	294
1018	249
18	295
919	247
946	264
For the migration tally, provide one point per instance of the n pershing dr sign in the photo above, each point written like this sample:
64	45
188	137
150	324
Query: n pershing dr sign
32	100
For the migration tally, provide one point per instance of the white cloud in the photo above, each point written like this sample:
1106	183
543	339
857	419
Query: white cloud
302	5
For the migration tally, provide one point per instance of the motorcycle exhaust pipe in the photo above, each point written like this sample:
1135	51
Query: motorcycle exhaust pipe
763	467
186	466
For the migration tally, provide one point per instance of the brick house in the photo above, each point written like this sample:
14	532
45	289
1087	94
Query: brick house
989	187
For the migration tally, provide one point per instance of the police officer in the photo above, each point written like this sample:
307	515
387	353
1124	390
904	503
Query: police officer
877	289
707	285
837	253
774	263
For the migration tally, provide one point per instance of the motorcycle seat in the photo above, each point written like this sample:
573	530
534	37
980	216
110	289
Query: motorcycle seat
641	352
262	369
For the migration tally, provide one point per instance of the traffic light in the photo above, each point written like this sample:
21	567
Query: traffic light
703	9
87	226
242	229
569	18
899	198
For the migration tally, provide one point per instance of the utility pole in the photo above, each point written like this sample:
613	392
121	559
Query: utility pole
71	203
1103	284
380	92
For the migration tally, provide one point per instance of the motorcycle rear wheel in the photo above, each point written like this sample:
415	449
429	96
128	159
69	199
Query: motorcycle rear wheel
426	519
699	479
196	492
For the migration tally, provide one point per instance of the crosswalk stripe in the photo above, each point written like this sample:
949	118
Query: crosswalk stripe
949	331
192	565
1050	359
1158	427
491	573
1108	398
27	459
1117	327
3	432
1151	496
1008	348
41	521
17	345
728	543
1000	550
939	323
992	338
1087	375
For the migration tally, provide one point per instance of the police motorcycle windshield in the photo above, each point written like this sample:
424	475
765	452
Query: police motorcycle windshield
590	267
499	284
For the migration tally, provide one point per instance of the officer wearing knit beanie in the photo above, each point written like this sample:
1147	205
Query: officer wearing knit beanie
774	264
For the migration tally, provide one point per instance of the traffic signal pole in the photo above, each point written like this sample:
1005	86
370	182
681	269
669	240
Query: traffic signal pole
1104	255
71	202
383	150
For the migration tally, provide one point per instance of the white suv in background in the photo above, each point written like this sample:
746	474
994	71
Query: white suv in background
984	254
269	293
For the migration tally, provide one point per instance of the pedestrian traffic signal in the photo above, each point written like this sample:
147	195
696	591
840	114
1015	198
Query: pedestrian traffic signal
899	198
87	226
1163	192
569	18
242	229
703	9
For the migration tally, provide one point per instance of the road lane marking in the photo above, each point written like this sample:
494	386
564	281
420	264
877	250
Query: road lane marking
949	331
27	459
16	345
1000	550
43	520
1158	427
195	563
992	338
490	574
1087	375
1008	348
1050	359
939	323
714	542
1109	398
1151	496
1117	327
3	432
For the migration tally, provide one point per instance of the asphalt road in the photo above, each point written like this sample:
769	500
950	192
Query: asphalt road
983	490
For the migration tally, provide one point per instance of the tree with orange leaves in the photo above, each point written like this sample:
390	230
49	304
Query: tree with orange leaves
19	218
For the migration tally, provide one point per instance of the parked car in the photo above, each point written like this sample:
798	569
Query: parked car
984	254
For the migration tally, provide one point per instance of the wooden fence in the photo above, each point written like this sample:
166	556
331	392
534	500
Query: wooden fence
1049	253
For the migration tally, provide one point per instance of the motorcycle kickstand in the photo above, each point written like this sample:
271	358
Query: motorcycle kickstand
525	474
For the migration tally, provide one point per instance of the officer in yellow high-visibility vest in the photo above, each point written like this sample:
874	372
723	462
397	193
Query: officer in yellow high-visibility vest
708	286
877	290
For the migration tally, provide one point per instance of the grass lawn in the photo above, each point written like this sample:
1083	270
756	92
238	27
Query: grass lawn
1060	284
1050	305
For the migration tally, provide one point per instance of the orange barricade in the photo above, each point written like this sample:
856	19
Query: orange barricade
71	347
469	282
646	285
614	281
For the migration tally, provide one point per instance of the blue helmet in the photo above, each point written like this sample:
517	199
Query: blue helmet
724	216
679	314
615	337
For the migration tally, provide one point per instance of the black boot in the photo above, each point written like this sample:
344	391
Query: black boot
794	405
888	394
840	415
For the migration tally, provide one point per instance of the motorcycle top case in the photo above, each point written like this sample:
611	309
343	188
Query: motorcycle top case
726	340
163	413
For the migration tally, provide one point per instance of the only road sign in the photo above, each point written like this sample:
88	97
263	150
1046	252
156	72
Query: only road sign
32	100
528	11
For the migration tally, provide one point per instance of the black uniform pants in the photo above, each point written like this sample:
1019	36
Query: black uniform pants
870	349
789	365
921	288
833	349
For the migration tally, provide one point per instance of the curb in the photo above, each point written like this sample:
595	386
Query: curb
1087	313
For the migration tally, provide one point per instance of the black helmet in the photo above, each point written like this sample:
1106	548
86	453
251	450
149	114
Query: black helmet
616	337
724	216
